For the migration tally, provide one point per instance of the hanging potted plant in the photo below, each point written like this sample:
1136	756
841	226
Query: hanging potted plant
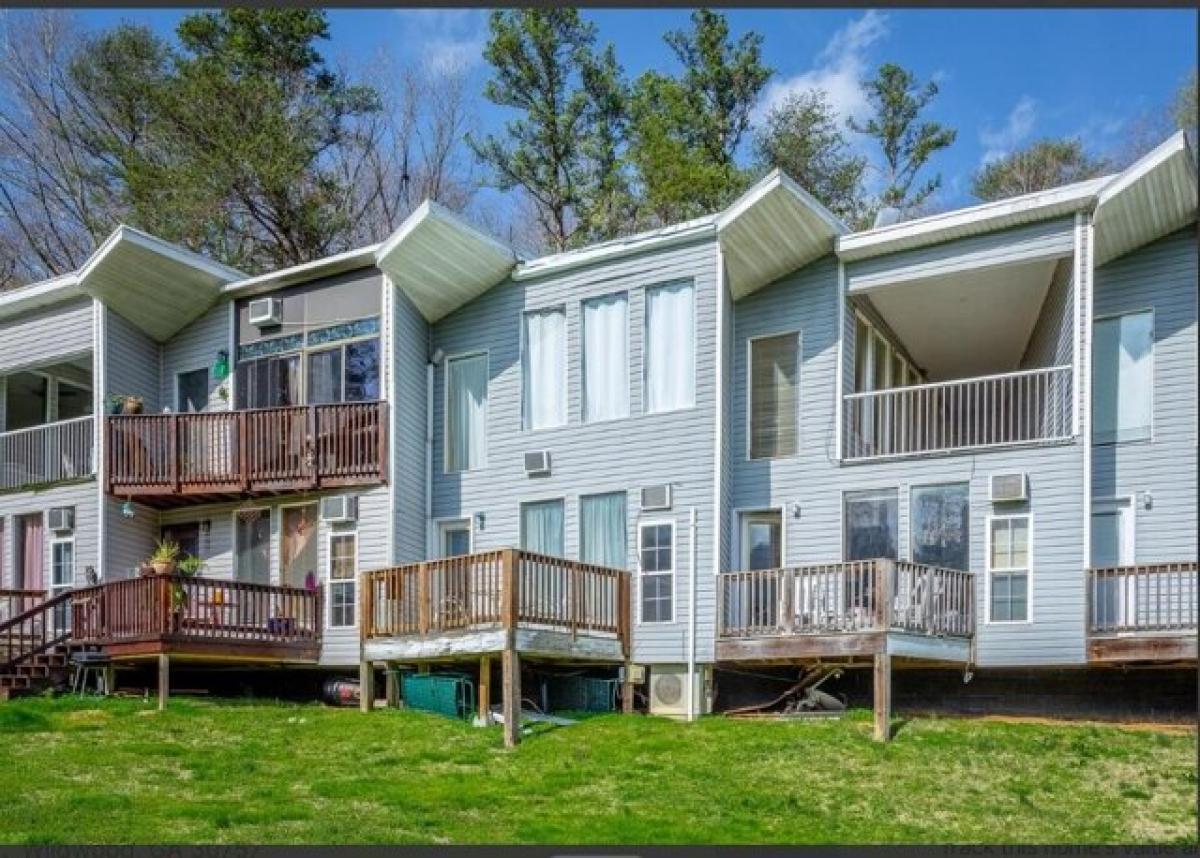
164	558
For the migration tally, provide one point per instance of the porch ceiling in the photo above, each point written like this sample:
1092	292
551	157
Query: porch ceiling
964	325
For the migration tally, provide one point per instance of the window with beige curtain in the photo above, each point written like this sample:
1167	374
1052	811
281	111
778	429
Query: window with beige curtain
774	396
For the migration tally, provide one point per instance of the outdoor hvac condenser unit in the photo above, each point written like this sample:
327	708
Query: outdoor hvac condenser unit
266	311
339	508
1006	488
668	690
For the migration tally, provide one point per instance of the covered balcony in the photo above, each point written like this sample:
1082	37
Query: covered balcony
168	459
976	360
47	433
1143	613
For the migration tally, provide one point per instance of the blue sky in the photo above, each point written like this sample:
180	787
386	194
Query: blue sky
1007	76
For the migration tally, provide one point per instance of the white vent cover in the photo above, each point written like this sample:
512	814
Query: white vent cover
61	518
339	508
266	311
657	497
537	463
1006	488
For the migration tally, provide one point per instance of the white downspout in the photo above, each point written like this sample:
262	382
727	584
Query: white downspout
691	663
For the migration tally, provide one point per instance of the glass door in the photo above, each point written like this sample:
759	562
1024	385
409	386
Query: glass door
1115	599
298	546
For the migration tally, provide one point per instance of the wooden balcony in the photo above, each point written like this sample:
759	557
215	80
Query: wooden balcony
198	618
478	603
42	455
1028	407
1142	613
837	610
169	459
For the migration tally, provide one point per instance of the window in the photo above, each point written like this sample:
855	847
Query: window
62	563
74	400
466	412
656	564
774	396
544	369
602	537
185	535
343	567
606	358
1114	597
269	382
762	540
345	373
1008	568
542	527
670	348
191	390
26	397
454	538
253	542
1122	378
940	531
869	520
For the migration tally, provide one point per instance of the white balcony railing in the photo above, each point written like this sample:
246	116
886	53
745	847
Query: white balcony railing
988	411
50	453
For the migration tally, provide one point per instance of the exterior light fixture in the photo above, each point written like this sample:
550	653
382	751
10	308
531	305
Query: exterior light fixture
220	369
479	521
127	510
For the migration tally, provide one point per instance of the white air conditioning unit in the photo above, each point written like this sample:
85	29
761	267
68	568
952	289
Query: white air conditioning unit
339	508
656	497
537	463
266	311
668	690
1006	488
61	518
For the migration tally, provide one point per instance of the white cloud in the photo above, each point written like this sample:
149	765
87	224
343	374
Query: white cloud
445	39
998	142
840	68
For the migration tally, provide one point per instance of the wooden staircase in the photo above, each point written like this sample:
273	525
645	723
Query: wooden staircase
35	648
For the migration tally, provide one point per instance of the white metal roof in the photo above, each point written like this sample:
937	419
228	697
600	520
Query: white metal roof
359	257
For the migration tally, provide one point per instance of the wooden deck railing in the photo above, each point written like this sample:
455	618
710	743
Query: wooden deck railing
39	628
270	449
839	598
14	602
988	411
179	609
505	588
1149	599
51	453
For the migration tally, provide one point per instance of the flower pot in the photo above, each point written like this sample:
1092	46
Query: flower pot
131	405
164	568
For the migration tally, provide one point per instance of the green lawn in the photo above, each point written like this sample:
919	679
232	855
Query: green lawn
117	771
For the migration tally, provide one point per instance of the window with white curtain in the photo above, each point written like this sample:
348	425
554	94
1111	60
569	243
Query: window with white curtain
602	537
1122	377
670	347
544	369
466	412
542	527
774	396
606	357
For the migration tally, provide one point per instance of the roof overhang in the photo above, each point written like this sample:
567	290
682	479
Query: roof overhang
45	293
773	229
442	262
976	220
359	257
1152	198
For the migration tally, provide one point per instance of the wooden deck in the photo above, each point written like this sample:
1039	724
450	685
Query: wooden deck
170	459
1143	613
846	610
201	619
487	602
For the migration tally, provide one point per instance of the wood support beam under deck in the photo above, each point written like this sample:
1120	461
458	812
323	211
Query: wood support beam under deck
511	668
882	697
485	689
164	679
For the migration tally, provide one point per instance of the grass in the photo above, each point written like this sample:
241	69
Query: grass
116	771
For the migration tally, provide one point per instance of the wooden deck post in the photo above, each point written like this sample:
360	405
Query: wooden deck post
882	698
511	665
485	689
627	689
391	686
366	686
164	679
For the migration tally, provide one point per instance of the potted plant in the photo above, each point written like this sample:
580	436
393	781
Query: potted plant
164	558
131	404
189	567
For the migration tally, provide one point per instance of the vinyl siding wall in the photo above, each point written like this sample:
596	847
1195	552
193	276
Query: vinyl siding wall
619	455
46	335
1162	277
1052	341
196	347
409	345
81	496
814	480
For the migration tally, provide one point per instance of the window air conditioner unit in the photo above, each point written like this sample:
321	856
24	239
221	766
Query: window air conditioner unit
266	311
537	463
1005	488
339	508
656	497
62	518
